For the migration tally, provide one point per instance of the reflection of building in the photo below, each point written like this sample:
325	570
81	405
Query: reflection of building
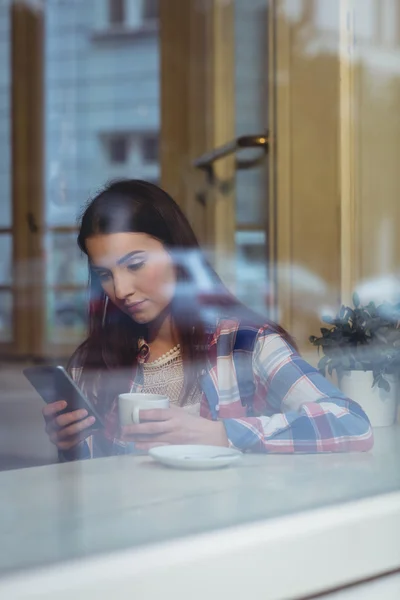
5	127
102	122
102	115
374	26
102	98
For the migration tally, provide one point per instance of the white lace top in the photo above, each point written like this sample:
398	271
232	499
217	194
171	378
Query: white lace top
165	376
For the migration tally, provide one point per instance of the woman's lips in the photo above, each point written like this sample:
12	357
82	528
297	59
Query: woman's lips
136	307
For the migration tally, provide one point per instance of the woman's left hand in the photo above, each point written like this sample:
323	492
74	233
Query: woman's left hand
163	426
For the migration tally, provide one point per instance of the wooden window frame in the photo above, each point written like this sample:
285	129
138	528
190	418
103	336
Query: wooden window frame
29	340
27	179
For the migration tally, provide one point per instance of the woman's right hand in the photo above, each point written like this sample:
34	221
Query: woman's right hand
68	430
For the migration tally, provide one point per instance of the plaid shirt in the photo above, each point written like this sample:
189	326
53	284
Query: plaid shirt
292	407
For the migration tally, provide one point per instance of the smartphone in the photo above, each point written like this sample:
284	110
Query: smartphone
53	383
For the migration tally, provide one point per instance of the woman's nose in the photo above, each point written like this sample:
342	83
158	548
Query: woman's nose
123	287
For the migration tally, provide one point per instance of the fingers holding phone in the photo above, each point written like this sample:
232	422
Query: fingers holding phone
69	429
68	421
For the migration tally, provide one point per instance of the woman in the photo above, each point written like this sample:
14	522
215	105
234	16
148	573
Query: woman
161	321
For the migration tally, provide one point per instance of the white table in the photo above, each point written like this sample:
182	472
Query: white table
54	517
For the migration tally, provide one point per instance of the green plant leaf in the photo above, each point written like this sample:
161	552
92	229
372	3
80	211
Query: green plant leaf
376	379
364	337
323	364
384	384
328	319
356	300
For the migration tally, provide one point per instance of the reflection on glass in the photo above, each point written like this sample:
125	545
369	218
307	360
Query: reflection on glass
67	316
251	270
6	258
66	265
150	9
5	124
102	122
6	316
251	111
102	99
251	103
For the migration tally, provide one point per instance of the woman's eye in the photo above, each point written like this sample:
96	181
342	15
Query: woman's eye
103	276
136	266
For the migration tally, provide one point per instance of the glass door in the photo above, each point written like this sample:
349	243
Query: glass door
102	122
80	104
316	220
251	117
6	216
334	102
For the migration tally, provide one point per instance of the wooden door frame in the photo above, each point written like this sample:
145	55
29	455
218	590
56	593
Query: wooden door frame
198	114
285	244
350	251
280	213
280	226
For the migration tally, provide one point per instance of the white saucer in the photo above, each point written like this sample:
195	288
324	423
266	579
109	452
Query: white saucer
195	457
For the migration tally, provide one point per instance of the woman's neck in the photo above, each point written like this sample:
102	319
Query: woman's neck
162	332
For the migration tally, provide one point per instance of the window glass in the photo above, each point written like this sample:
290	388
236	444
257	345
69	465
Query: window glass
6	317
279	444
149	147
6	259
67	316
116	12
118	148
101	94
150	9
5	126
66	264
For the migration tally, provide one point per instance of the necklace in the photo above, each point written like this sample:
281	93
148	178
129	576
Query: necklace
170	353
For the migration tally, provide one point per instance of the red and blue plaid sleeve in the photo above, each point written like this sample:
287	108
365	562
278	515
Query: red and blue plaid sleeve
300	410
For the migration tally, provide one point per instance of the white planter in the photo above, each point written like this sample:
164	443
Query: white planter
380	406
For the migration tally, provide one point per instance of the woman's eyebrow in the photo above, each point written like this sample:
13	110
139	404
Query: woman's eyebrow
120	261
128	256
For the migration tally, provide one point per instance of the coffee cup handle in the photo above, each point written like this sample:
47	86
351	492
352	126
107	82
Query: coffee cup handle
135	415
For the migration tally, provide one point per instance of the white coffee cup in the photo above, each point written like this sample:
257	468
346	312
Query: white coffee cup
130	405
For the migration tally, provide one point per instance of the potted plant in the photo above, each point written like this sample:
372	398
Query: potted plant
362	345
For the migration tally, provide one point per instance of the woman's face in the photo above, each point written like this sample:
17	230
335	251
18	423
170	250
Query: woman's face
135	271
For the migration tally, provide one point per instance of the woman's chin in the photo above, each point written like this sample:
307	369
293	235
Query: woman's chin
146	317
141	319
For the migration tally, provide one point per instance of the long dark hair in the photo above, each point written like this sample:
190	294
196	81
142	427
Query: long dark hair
138	206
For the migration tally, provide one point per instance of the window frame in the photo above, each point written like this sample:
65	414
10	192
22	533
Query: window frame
149	158
121	12
27	181
150	15
112	141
